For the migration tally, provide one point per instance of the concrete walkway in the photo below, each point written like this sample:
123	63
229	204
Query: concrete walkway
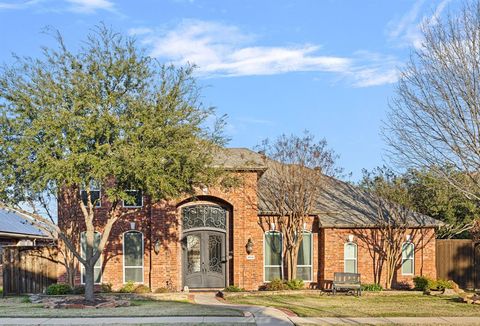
262	315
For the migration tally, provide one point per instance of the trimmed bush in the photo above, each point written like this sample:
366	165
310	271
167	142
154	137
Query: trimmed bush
233	288
106	288
295	284
162	290
128	287
372	287
59	289
79	289
142	289
276	285
444	284
422	283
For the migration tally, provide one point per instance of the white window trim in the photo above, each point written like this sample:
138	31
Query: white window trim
127	206
99	201
264	250
355	259
311	258
412	259
143	256
82	267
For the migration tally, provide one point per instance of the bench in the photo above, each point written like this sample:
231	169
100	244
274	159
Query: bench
347	281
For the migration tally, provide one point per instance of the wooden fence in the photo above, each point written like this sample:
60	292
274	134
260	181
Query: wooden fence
28	269
459	260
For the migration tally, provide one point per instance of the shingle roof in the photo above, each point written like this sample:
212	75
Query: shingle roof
11	222
239	159
339	205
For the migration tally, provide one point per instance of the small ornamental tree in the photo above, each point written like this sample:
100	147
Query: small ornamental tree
106	114
298	167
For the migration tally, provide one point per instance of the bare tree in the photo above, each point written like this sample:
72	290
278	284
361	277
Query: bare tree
297	170
434	119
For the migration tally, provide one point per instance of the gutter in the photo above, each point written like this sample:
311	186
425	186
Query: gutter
24	236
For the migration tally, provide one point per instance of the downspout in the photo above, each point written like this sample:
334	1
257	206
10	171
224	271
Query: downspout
150	244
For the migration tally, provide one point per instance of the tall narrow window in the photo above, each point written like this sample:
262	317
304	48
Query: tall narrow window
137	199
94	194
408	259
350	257
97	269
273	256
304	259
133	257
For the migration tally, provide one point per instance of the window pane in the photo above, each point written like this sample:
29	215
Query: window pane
95	197
304	273
408	251
273	249
134	274
350	266
97	275
133	244
350	251
193	254
83	243
407	266
273	272
137	201
305	251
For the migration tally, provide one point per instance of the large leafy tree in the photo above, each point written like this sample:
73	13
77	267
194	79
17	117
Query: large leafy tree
105	114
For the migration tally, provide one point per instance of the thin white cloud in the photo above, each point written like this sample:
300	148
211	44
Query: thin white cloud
221	50
16	5
406	31
139	31
90	6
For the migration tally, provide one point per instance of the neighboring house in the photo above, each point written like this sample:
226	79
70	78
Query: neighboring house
16	230
227	237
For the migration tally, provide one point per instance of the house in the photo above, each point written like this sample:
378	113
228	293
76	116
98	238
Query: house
16	230
227	237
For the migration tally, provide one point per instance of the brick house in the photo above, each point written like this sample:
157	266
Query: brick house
227	237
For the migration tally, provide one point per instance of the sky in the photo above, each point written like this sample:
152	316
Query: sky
272	66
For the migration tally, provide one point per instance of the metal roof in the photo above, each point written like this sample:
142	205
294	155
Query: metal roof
11	222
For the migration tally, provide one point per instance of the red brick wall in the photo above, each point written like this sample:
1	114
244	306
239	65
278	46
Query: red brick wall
332	258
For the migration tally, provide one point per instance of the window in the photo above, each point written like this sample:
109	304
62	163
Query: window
94	194
137	199
350	257
97	269
304	259
133	257
273	256
408	257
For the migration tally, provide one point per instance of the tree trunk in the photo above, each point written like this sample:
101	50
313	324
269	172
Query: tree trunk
89	282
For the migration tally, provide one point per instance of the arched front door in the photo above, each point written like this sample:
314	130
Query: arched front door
204	259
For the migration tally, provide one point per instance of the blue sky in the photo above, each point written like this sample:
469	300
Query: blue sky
272	66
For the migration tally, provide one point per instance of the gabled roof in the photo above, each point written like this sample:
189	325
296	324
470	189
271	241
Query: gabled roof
15	225
339	205
239	159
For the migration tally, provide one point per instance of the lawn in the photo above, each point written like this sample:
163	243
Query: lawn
368	305
16	307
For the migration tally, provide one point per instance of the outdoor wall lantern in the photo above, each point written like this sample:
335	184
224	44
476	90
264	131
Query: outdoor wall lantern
156	247
132	225
249	246
350	238
272	226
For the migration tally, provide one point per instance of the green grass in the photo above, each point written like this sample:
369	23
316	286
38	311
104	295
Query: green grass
369	305
16	307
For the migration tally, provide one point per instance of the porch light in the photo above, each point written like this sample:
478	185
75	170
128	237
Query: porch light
156	247
132	225
350	238
272	226
249	246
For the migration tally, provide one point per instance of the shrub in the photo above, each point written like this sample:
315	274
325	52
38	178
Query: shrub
162	290
443	284
275	285
372	287
26	300
128	287
79	289
295	284
142	289
106	288
59	289
423	283
233	288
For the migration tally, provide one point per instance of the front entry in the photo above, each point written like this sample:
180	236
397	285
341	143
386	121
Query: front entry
204	259
204	246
